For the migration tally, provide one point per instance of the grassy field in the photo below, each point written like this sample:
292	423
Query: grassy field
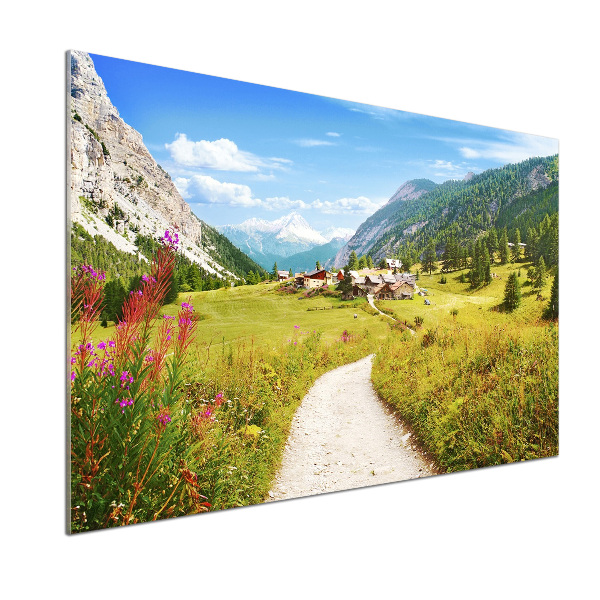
260	315
478	388
474	306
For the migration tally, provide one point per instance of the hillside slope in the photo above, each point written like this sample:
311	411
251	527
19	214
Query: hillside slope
382	220
117	190
463	209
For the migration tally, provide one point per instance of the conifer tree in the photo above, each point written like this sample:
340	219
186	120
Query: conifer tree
275	270
512	292
449	259
291	274
353	261
318	265
429	258
516	253
504	248
492	242
369	262
533	240
345	285
486	264
539	280
362	263
552	309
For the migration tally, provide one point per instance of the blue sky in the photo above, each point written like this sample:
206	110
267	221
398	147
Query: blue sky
237	150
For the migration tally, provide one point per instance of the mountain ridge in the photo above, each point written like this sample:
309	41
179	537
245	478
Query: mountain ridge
117	190
379	222
274	241
461	208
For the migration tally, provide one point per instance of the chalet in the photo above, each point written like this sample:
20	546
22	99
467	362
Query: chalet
399	290
372	282
340	275
283	275
318	278
299	279
359	291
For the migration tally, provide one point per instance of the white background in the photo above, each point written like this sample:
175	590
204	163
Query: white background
521	531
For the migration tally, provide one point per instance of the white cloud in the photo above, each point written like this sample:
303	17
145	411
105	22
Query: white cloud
203	189
207	190
333	134
284	203
221	155
517	147
358	206
310	143
264	177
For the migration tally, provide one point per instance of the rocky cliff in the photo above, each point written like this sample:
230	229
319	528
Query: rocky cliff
117	189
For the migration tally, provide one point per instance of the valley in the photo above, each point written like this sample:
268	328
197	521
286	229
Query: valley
193	352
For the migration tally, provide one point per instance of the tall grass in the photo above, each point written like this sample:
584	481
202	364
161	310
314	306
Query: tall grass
476	396
259	391
163	427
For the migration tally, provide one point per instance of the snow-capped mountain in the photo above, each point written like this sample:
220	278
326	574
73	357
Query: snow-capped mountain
283	237
337	232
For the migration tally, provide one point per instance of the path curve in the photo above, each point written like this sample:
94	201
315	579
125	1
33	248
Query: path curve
344	437
372	303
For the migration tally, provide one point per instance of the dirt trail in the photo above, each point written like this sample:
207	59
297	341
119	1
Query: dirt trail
372	303
343	437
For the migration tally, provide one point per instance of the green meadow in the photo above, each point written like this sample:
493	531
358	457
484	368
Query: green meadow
263	316
477	388
473	306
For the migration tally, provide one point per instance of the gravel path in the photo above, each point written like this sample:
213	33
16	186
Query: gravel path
343	437
372	303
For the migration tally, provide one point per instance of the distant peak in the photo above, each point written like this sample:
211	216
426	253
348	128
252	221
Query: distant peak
469	176
412	189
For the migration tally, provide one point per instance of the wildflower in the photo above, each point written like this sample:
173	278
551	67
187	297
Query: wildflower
101	346
73	360
164	419
72	376
111	344
296	326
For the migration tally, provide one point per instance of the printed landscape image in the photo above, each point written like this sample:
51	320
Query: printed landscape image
277	295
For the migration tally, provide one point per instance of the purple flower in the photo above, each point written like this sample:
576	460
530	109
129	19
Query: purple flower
72	376
101	346
111	344
164	419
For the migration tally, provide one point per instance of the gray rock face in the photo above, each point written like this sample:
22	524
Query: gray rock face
112	172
